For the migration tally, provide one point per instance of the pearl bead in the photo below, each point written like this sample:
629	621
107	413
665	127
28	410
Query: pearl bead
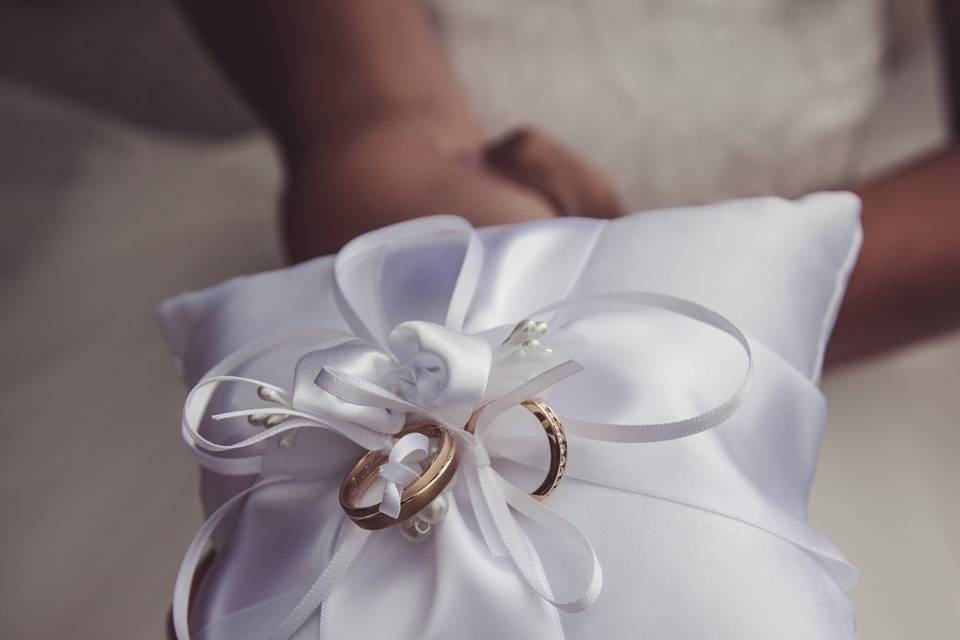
436	511
274	419
287	440
525	331
415	529
266	420
258	419
271	395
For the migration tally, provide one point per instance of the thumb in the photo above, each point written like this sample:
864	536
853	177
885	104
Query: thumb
533	160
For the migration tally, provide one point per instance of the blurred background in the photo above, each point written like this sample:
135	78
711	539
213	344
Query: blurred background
129	172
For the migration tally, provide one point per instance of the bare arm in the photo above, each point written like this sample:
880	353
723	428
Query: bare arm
906	285
372	126
318	71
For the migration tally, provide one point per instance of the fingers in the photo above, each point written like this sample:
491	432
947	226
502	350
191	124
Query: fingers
391	174
531	159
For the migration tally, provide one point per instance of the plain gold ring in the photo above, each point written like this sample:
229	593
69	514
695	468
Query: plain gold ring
414	496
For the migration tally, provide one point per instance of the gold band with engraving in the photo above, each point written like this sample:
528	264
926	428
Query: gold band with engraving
556	439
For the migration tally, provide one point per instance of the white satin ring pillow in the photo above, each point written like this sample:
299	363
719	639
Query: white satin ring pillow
700	537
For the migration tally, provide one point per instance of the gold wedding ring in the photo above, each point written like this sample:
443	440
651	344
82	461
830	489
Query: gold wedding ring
556	439
415	496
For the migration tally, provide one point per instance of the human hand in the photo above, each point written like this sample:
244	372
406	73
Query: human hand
407	168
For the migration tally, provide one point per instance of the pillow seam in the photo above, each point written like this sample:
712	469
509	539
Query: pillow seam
836	299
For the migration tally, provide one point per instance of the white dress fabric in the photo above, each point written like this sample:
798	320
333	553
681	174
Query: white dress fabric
679	102
700	537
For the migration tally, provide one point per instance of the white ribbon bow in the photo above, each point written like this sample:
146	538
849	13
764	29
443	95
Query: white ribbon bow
364	389
397	473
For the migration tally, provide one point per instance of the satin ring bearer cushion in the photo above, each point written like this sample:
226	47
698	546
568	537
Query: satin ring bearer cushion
680	349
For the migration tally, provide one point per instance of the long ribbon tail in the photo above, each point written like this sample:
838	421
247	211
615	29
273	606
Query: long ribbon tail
349	543
493	497
191	560
538	512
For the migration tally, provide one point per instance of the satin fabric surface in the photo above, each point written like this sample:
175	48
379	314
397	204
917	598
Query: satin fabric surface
700	537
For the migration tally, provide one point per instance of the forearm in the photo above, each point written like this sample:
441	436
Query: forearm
906	285
318	71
